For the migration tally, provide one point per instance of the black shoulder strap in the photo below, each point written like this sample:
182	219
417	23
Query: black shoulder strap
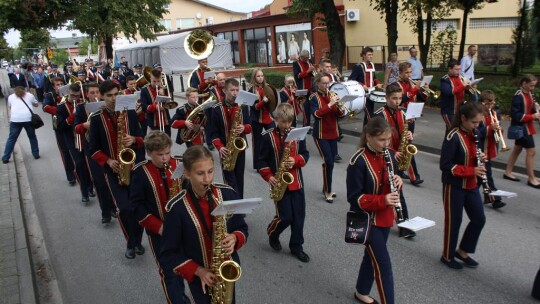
27	106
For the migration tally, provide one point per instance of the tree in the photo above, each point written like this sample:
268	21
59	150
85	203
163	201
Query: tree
536	27
524	38
389	9
33	14
105	20
83	48
413	11
467	6
33	40
334	28
5	51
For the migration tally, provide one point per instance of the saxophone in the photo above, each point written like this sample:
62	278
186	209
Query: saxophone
407	150
227	270
126	156
283	177
235	144
393	188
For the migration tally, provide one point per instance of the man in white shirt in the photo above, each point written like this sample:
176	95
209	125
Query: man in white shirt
416	65
467	63
20	117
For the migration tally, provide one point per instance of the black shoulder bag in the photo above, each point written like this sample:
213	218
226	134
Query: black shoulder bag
36	120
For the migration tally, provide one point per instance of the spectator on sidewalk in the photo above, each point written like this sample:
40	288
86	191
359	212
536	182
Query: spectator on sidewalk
20	117
39	81
17	79
467	63
391	74
416	64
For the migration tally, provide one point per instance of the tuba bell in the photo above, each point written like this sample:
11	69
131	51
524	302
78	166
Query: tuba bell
199	44
144	80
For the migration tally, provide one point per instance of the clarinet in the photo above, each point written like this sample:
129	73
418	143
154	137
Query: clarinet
479	163
393	188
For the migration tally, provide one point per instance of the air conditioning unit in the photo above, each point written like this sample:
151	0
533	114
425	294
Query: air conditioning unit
353	15
210	20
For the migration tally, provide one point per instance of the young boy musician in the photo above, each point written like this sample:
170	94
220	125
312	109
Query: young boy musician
179	120
291	209
157	116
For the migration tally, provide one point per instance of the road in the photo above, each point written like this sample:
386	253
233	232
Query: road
89	262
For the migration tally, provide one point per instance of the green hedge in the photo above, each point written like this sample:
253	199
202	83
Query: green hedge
275	78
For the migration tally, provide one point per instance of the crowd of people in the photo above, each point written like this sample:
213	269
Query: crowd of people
124	157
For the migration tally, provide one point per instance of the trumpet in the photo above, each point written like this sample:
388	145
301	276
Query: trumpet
498	133
299	99
314	72
427	91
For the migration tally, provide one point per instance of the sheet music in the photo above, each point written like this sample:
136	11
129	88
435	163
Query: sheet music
161	98
414	110
417	223
427	79
93	107
247	98
502	193
241	206
125	102
297	134
178	172
209	74
64	90
476	81
301	92
208	104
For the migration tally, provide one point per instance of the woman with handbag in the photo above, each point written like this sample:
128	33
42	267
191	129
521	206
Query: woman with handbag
523	113
20	116
369	190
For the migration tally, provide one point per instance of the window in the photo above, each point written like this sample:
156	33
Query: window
182	23
484	23
443	24
256	45
166	23
233	38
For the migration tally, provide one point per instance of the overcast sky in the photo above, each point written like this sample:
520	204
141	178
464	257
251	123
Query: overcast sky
13	37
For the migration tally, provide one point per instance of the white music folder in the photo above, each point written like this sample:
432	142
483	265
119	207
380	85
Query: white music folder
414	110
93	107
64	90
247	98
297	134
416	224
241	206
178	172
125	102
301	92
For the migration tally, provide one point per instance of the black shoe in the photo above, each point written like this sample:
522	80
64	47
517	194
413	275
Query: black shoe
453	264
469	262
275	244
360	301
5	161
130	253
105	220
309	132
514	179
302	256
85	200
417	182
533	185
91	193
340	137
72	182
139	250
498	204
338	158
37	157
406	233
114	214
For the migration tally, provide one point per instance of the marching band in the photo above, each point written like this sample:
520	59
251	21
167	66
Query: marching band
105	150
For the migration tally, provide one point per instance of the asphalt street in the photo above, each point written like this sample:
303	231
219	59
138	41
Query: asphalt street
90	266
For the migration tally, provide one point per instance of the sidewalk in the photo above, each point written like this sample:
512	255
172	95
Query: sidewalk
16	279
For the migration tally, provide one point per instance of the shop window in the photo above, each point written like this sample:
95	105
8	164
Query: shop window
256	45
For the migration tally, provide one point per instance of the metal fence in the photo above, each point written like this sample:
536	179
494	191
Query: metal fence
495	57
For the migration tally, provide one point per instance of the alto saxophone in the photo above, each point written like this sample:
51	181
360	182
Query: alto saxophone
235	143
393	188
227	270
282	176
407	150
126	156
176	183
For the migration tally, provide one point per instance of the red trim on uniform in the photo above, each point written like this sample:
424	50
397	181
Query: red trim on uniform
187	270
100	157
240	240
152	223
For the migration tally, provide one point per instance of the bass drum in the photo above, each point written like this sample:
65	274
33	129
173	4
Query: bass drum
378	98
351	87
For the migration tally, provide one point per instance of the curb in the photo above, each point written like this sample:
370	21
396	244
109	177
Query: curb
39	271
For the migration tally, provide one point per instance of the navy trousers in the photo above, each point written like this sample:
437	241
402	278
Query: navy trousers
173	284
69	166
307	114
328	150
131	229
368	110
81	170
290	211
448	118
455	199
376	266
536	286
256	140
208	127
235	178
102	191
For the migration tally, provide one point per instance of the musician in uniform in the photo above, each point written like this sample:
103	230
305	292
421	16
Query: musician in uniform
453	88
101	74
125	70
326	66
369	190
261	118
65	114
364	73
104	144
151	188
82	128
288	95
291	209
458	164
197	79
157	116
52	100
325	129
119	79
82	76
395	117
223	116
179	120
168	79
131	88
186	243
487	130
409	93
303	72
68	73
48	86
137	70
524	111
218	93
